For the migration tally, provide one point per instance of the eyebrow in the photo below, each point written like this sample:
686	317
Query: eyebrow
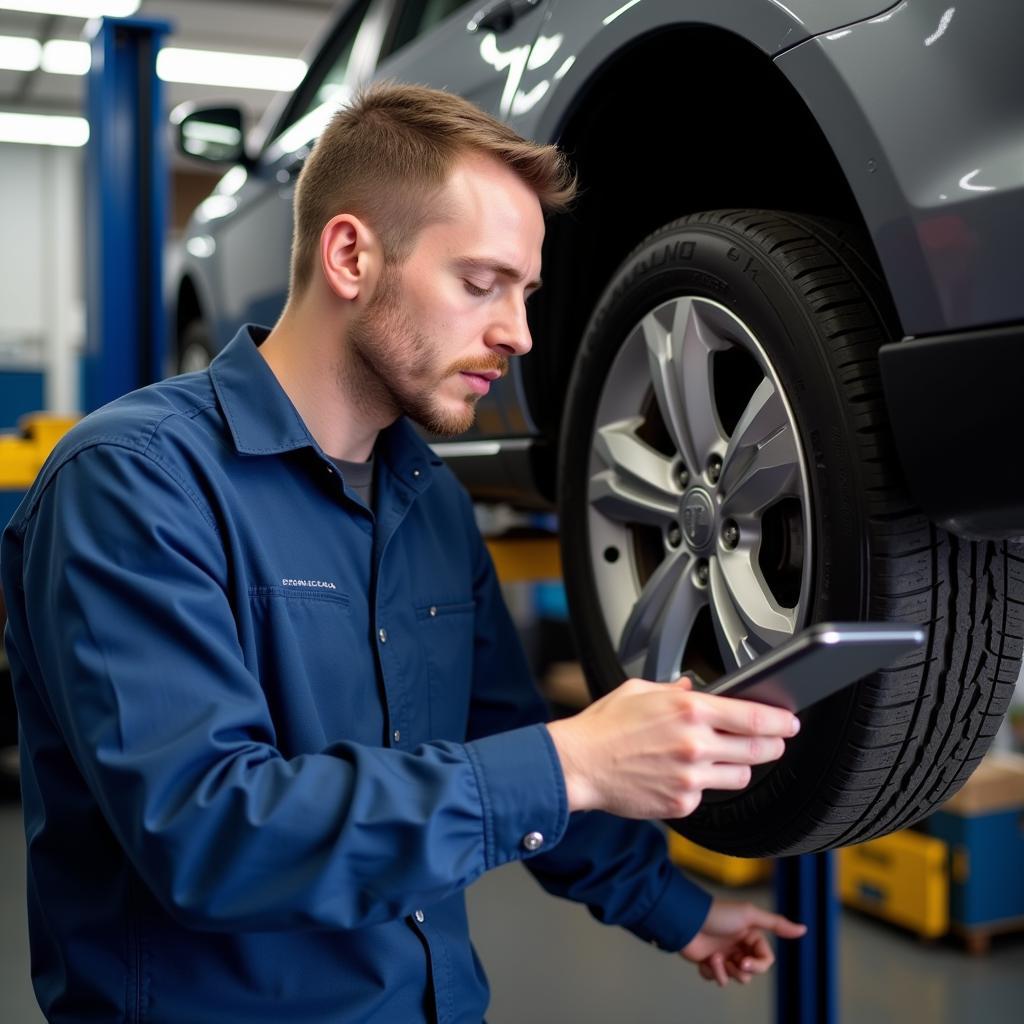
497	267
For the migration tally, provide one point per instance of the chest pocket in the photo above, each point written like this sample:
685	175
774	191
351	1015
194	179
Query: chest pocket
446	636
318	675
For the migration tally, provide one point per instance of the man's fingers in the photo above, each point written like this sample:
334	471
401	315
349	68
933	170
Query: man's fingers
729	749
781	926
744	717
719	776
737	973
705	971
718	969
759	956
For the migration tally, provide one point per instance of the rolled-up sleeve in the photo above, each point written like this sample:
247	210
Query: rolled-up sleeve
124	626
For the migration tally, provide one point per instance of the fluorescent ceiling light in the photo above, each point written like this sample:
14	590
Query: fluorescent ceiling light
44	129
239	70
194	67
18	53
66	57
75	8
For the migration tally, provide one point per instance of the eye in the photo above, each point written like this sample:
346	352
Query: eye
476	290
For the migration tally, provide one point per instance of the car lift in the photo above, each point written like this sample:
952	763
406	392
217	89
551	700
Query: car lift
126	211
126	217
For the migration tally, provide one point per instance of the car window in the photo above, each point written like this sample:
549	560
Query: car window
419	17
325	87
331	85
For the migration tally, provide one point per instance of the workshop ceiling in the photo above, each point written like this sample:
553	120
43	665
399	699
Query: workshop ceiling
278	28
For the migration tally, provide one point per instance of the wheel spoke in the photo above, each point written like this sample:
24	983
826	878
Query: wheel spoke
748	620
762	462
679	349
637	486
657	631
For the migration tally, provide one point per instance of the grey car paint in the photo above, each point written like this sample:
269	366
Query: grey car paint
929	137
934	155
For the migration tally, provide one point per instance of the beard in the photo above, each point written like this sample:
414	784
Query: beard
391	366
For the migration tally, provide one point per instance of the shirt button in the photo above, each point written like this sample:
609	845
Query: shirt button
330	469
433	610
533	841
398	736
419	915
416	473
383	634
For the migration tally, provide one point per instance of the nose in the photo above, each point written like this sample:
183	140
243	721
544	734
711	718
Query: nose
509	332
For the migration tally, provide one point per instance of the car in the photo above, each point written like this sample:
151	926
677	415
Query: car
779	346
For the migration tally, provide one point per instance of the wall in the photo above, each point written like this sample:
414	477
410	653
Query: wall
41	293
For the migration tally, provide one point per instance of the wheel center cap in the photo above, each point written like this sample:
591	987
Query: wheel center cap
698	516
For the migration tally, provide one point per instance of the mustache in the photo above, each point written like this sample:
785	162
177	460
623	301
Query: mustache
495	362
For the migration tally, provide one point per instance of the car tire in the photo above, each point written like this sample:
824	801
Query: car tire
195	347
740	348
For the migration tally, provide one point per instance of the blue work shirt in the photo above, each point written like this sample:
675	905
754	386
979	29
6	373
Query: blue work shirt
269	737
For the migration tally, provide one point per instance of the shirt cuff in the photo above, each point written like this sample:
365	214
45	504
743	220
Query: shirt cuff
677	915
522	791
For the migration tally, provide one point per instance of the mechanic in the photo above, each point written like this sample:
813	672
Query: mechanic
275	715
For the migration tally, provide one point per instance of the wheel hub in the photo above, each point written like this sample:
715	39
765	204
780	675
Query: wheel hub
698	516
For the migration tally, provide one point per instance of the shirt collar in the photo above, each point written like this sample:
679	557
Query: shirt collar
263	420
261	416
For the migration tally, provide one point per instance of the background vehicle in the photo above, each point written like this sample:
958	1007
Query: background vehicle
778	348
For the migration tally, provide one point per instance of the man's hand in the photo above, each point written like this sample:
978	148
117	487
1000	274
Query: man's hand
649	750
732	944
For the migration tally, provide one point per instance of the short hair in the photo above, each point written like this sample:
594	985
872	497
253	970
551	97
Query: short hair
384	156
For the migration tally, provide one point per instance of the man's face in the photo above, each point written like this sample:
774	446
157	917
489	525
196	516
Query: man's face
444	324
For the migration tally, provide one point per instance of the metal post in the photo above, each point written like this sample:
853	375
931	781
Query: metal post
126	211
806	971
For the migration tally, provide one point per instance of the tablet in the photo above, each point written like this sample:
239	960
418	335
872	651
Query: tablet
817	662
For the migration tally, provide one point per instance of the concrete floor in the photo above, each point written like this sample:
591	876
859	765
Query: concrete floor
550	962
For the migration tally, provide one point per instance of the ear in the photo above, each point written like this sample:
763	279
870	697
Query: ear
350	256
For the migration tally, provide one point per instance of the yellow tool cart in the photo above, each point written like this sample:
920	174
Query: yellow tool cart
22	455
902	877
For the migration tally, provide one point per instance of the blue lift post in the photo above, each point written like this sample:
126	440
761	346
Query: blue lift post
806	971
126	211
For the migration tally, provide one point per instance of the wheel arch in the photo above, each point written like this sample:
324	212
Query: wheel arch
758	146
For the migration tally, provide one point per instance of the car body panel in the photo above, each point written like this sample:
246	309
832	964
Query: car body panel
933	151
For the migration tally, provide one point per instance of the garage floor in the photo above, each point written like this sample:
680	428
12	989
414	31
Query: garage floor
549	962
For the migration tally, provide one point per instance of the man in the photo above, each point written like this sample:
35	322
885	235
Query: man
275	714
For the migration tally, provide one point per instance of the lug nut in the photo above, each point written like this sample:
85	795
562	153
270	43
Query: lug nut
675	535
730	535
702	573
714	468
683	477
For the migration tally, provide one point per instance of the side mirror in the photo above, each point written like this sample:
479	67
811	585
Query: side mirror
213	134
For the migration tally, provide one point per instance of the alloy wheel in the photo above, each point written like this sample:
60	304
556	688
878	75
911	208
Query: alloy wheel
698	497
